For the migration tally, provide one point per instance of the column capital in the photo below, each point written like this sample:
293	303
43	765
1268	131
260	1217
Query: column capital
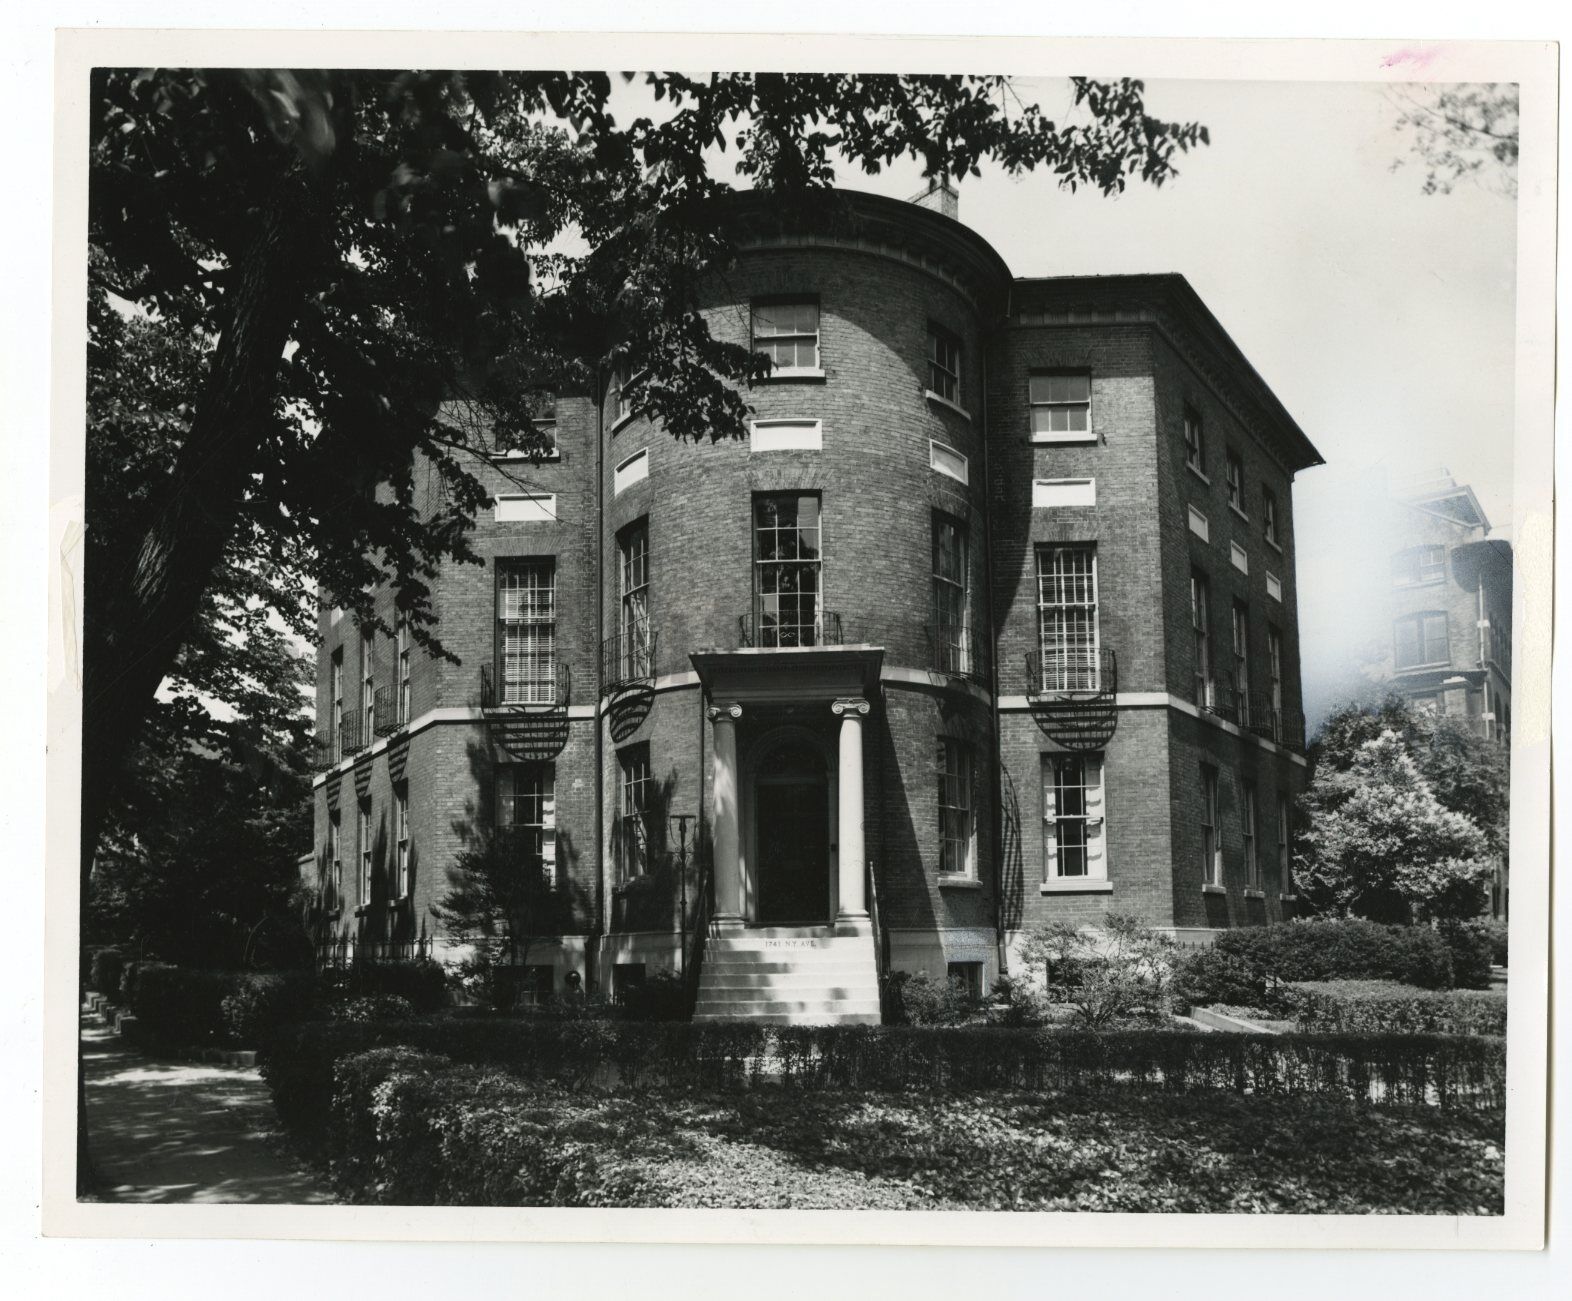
729	712
851	706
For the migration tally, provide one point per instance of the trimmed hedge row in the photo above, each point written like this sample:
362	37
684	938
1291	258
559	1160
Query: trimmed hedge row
1439	1069
1381	1007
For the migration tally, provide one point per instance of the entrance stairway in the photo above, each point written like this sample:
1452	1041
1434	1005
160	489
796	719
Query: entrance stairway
789	975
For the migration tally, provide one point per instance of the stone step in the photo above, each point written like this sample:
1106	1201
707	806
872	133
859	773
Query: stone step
812	970
763	1007
797	1018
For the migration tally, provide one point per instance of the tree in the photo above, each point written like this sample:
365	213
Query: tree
1380	845
1461	132
371	268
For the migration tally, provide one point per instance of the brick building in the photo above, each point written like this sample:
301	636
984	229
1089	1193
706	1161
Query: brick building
989	619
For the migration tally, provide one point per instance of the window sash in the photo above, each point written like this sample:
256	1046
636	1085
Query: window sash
637	786
527	632
1274	656
1194	441
526	815
1422	639
944	364
363	834
1201	627
1068	632
788	334
403	675
368	686
951	608
1241	629
787	570
1060	404
1285	880
955	808
1251	849
1235	482
1211	850
401	835
633	629
1073	822
1269	515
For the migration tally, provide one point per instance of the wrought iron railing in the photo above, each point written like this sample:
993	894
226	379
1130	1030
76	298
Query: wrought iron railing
550	689
955	649
703	905
758	628
346	950
628	658
389	718
1072	671
332	747
1270	720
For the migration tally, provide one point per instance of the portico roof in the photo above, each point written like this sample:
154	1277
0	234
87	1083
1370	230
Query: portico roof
768	673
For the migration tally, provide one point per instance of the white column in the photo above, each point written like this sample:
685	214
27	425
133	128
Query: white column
852	854
728	864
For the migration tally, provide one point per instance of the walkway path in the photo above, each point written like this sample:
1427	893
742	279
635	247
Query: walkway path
169	1131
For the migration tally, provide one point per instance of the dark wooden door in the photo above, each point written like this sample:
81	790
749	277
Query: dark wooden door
794	853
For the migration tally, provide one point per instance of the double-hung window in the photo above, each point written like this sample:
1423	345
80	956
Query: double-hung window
1073	817
527	631
368	685
633	614
1067	632
1235	473
951	617
402	645
634	826
1269	516
1274	664
786	570
335	864
363	842
787	332
1194	441
1201	633
1060	405
944	363
956	857
1252	855
1285	871
1426	564
400	841
1421	639
336	704
1211	841
1241	682
526	818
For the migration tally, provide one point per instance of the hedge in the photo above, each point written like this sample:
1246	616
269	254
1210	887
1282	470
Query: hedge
1444	1070
1381	1007
105	971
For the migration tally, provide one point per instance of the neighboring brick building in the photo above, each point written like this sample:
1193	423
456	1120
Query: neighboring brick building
989	619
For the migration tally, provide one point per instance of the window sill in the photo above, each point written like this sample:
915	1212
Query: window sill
621	422
517	455
1086	436
946	403
1273	543
1288	898
1076	885
1238	512
1199	474
803	376
958	881
1209	888
1406	584
1255	894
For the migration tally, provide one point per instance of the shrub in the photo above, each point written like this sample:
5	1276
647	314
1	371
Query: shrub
662	997
1497	934
129	974
1381	1007
374	1007
259	1004
179	1007
926	1001
1017	1002
423	983
1218	974
105	973
1473	950
1108	974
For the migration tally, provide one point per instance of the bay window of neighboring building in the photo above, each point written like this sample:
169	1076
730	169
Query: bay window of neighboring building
526	818
1285	870
1194	441
1067	620
1235	474
635	850
951	612
1416	565
1201	636
526	643
944	363
1247	827
957	823
786	569
633	611
1421	640
1211	839
1060	406
1073	818
401	850
787	332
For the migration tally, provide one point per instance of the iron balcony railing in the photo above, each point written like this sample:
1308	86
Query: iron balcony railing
389	717
340	743
346	950
1072	671
628	658
955	649
551	687
1270	720
762	629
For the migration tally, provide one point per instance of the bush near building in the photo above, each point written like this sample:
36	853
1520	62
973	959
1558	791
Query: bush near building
1382	1007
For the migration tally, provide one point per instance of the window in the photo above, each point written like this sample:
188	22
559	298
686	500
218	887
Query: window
1235	473
623	386
402	645
1269	516
1073	817
363	840
967	977
1285	871
1211	846
336	704
1241	682
1067	632
1274	661
368	684
786	550
1061	406
401	841
1252	857
527	631
1194	441
951	616
1421	639
1201	630
944	363
543	418
636	833
788	334
1425	564
335	865
633	615
526	817
955	808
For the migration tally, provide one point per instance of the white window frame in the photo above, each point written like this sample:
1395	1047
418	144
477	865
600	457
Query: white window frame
1205	675
541	688
1092	819
545	425
336	859
1249	829
336	702
1421	617
404	679
1049	405
633	604
510	799
635	784
957	804
1234	479
1069	617
401	841
368	685
797	337
945	360
1239	636
1195	446
363	847
952	645
1211	828
1285	861
1269	518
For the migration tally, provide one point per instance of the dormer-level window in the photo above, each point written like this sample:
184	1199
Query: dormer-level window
944	363
1061	406
1194	441
1269	517
788	334
1235	471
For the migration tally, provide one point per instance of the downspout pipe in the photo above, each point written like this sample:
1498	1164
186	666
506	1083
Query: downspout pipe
997	759
603	895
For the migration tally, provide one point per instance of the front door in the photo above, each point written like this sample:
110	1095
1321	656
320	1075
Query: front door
792	815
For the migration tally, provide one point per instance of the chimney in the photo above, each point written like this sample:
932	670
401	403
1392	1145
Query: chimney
940	197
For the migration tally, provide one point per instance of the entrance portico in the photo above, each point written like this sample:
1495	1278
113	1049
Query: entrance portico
789	844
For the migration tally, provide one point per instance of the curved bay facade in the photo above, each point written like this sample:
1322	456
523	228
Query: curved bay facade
989	619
